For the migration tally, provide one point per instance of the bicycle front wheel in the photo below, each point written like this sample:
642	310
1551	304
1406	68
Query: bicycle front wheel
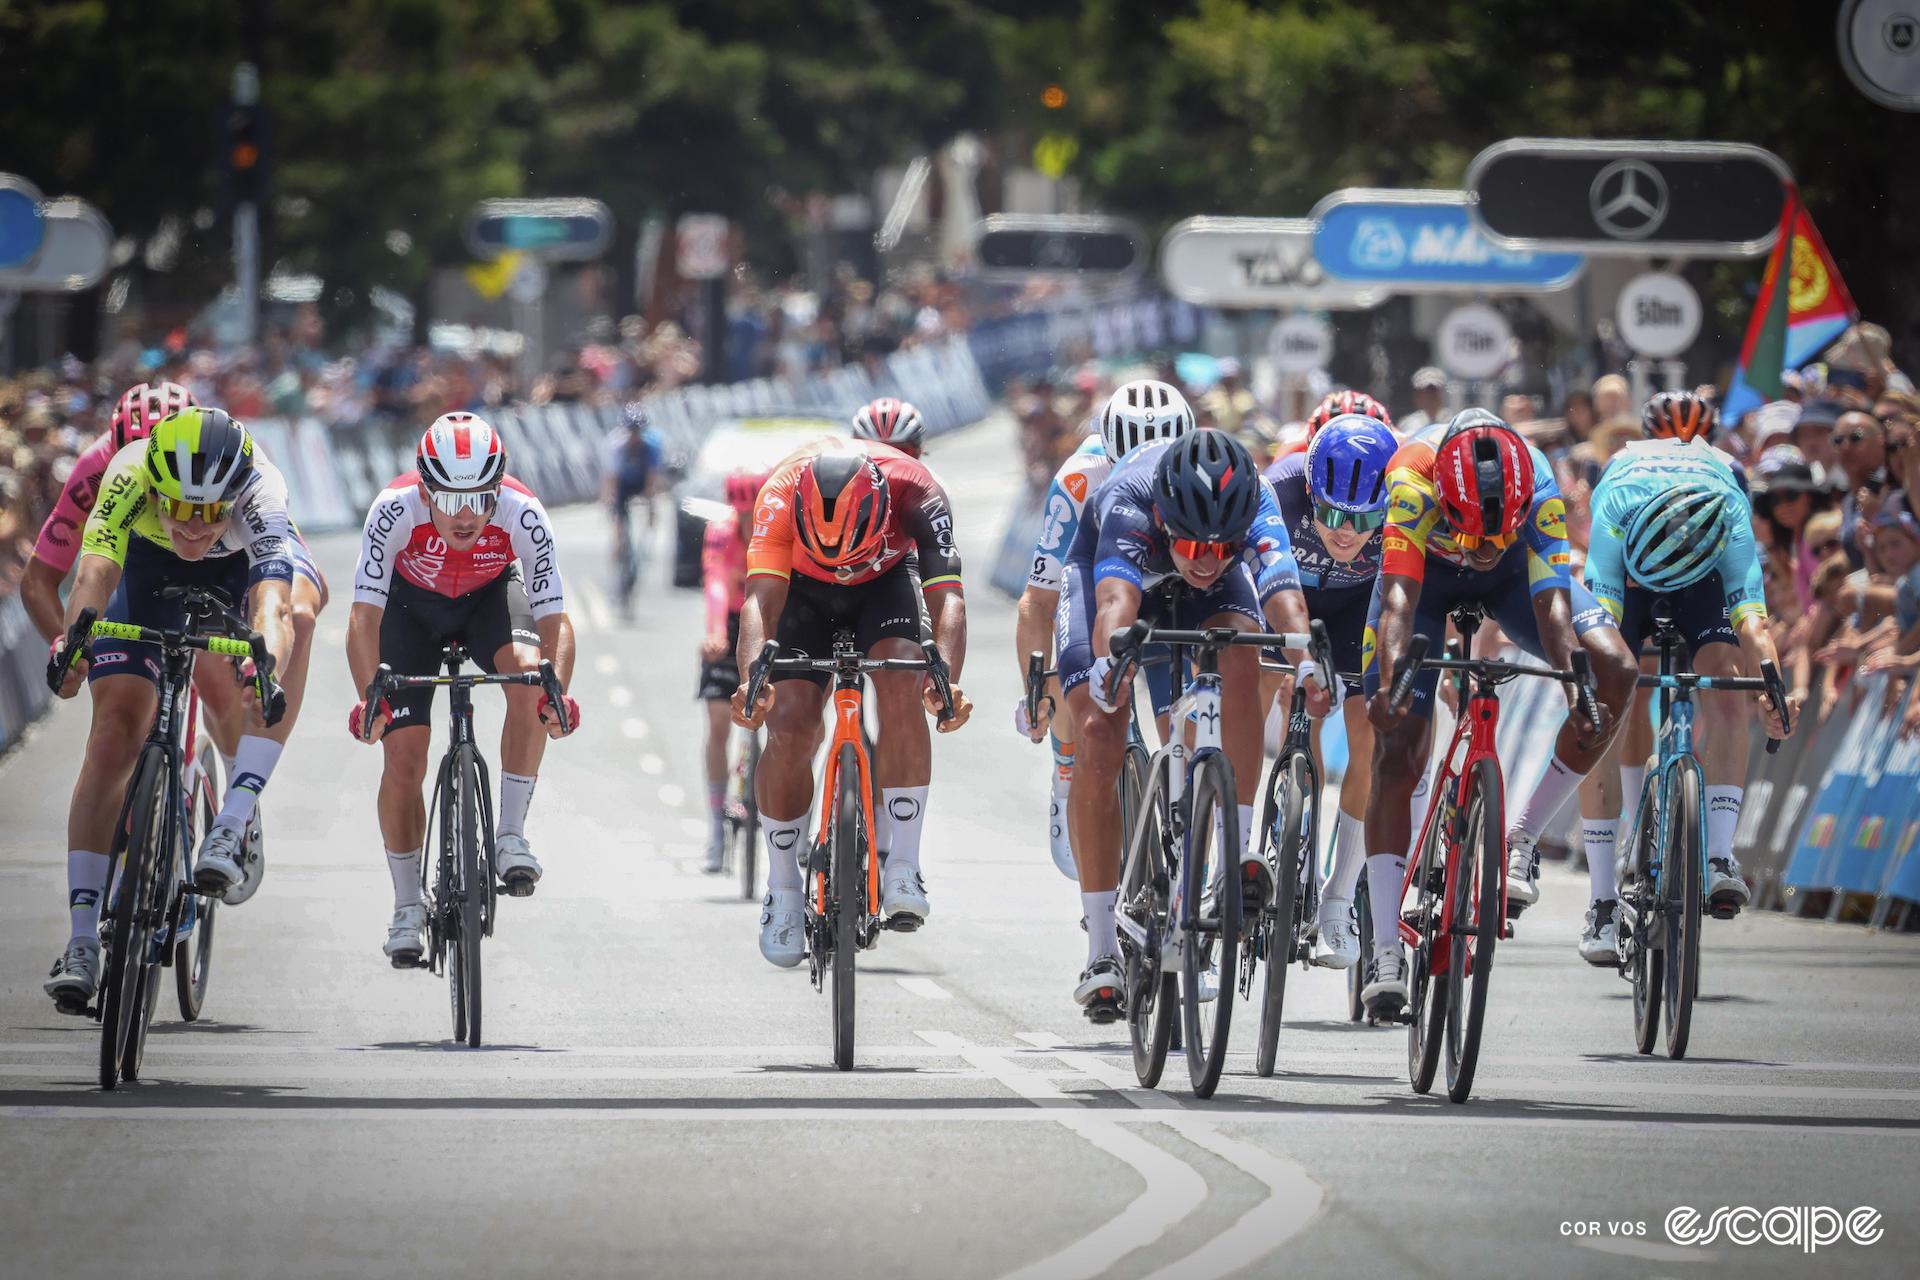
1357	976
1210	866
1426	998
749	848
1645	939
1475	911
193	955
130	893
1680	877
1152	992
1283	833
846	898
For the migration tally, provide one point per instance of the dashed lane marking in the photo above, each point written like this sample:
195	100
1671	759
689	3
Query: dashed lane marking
925	988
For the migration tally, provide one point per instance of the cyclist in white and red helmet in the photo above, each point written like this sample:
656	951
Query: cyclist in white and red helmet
891	421
438	566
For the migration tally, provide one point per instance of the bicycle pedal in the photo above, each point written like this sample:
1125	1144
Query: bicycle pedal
1722	912
1515	909
902	923
1105	1012
405	960
519	888
73	1008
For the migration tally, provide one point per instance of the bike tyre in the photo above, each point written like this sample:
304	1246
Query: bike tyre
846	899
124	983
1470	973
1152	994
750	829
193	957
1426	997
1287	849
1646	971
1214	847
1685	914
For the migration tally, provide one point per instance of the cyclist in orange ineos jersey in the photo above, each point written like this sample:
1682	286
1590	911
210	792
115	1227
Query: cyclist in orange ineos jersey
723	566
848	535
437	567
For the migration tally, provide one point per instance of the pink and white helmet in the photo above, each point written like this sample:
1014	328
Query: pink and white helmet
143	406
461	452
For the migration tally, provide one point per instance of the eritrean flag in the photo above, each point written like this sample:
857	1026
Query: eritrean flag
1790	325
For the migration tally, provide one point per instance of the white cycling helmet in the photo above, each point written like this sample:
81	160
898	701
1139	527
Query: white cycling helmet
1140	412
461	452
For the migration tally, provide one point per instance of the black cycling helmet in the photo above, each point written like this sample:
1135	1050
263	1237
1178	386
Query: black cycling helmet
1206	487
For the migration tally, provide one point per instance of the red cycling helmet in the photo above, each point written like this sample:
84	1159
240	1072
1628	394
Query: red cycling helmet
1342	402
145	404
743	489
1483	474
890	421
841	509
1678	415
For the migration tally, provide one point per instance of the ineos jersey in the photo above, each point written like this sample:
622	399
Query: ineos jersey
399	538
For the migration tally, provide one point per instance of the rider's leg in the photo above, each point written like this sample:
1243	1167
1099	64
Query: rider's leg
257	753
1399	762
903	756
719	732
1720	737
523	739
123	708
403	807
784	781
1101	744
1600	794
219	690
1356	785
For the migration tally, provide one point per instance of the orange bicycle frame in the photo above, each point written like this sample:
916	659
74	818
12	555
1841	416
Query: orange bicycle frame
848	716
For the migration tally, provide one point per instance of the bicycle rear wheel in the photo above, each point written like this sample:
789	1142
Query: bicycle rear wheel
1210	865
846	898
749	836
125	1003
1426	998
1357	976
1152	994
193	955
475	882
1477	910
1681	879
1289	852
1647	938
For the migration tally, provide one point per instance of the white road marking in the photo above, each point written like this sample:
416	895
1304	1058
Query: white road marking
1650	1249
926	989
652	765
595	610
694	827
672	796
619	696
606	664
635	728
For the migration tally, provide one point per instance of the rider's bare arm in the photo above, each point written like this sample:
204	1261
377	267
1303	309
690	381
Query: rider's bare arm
363	643
556	645
40	593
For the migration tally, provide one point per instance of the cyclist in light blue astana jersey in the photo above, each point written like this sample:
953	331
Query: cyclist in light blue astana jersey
1670	520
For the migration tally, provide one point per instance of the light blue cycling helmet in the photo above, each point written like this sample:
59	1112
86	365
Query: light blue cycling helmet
1675	539
1347	463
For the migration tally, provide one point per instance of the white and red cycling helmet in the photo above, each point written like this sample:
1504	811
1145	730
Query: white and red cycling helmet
890	421
461	452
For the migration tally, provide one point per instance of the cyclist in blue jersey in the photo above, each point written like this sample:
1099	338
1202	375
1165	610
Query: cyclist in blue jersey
1136	414
1670	520
633	469
1333	498
1195	510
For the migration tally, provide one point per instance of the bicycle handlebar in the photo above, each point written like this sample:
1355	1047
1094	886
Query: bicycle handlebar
930	662
386	680
89	626
1580	675
1036	684
1768	682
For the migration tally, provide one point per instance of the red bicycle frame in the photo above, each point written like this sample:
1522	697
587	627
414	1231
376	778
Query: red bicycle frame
1472	742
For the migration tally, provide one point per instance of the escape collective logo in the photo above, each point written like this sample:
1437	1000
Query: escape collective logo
1808	1228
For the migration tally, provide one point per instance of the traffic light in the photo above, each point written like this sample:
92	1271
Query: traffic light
245	153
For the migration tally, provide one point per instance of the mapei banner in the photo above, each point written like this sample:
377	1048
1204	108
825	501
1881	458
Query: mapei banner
1426	241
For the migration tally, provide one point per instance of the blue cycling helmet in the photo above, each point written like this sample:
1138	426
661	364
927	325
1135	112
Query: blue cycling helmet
1347	463
1675	540
1206	487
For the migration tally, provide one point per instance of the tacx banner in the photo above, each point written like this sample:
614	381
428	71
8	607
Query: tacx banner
1427	241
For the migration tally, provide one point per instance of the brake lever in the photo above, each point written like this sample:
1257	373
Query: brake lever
1321	648
1585	699
77	637
376	693
1409	671
1777	695
942	681
757	673
556	696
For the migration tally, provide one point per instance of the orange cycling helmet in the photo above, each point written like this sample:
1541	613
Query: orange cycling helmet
1678	415
1483	475
841	511
1337	403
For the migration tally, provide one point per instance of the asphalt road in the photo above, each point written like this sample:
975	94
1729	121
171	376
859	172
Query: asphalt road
656	1100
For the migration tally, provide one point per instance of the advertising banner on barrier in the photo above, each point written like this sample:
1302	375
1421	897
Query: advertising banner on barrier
1860	863
1812	864
23	665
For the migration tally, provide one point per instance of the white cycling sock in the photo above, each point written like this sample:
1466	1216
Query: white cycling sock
516	794
1599	836
404	869
1349	855
86	882
252	766
1557	782
906	816
226	762
1249	837
1632	778
1417	806
717	806
784	843
1723	815
1385	873
1103	935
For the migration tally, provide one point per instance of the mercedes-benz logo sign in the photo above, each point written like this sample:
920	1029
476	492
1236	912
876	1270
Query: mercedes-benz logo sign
1628	199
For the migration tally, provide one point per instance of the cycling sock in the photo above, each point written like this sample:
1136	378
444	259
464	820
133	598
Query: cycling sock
783	850
226	762
1417	806
1250	837
1556	784
86	882
516	793
1632	778
1385	872
906	813
1349	855
1598	835
1062	765
404	868
717	805
1723	815
1103	936
252	765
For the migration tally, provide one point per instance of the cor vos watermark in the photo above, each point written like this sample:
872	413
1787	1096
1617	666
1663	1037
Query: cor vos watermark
1808	1228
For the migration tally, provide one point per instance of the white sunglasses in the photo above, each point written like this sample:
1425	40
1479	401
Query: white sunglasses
454	501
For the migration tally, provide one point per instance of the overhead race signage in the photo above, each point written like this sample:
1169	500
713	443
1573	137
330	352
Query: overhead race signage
75	250
1058	244
1300	344
21	226
1880	49
701	248
1427	241
1699	199
1255	263
1658	314
1472	342
558	230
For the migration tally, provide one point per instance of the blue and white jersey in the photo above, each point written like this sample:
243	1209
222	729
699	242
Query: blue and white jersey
1082	473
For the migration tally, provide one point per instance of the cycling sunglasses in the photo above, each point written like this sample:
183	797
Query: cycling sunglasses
1359	521
1469	542
1200	549
454	501
205	512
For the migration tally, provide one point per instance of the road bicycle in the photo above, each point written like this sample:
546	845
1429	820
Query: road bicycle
152	916
1282	933
1459	874
1660	902
741	810
462	909
842	911
1180	905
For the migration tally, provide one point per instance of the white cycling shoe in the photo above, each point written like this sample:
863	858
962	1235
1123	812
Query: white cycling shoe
1523	872
1600	940
1386	991
407	935
514	863
783	927
222	869
1057	842
1726	891
76	975
1099	992
903	898
1339	940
